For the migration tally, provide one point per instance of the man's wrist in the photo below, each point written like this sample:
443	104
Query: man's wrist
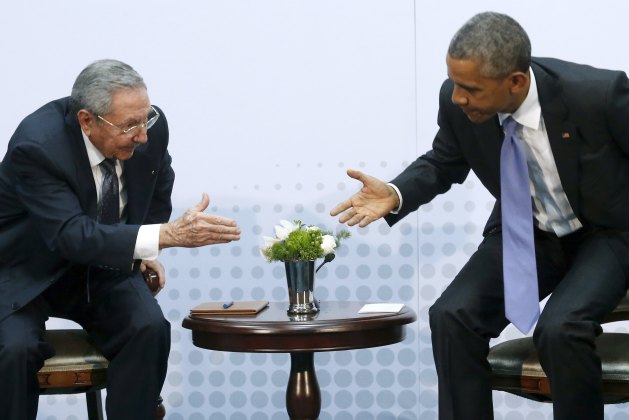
395	192
165	236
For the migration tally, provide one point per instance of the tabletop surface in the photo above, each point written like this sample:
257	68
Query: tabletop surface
337	326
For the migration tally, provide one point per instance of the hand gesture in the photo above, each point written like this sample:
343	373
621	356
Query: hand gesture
374	200
195	228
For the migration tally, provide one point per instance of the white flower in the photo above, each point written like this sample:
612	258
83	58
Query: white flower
268	242
328	244
285	228
298	241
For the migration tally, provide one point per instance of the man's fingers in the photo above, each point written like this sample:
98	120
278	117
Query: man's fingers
357	175
341	207
227	236
365	221
347	204
158	268
200	219
213	237
353	218
212	219
224	232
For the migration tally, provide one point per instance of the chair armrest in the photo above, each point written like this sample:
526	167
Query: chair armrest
152	280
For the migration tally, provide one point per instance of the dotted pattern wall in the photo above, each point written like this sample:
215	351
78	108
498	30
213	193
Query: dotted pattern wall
375	264
410	263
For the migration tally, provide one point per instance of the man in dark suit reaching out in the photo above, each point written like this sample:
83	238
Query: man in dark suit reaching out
85	189
570	124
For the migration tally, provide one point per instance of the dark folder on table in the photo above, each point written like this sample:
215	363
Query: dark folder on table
243	307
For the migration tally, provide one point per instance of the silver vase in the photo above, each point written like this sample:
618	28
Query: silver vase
300	278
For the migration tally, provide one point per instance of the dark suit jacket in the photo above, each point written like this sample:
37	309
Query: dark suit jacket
586	112
48	204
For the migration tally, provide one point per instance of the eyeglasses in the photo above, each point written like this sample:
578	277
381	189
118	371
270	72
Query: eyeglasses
131	131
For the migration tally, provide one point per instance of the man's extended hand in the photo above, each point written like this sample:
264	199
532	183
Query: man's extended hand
374	200
195	228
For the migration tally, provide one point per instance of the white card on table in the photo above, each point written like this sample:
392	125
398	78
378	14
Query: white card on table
381	308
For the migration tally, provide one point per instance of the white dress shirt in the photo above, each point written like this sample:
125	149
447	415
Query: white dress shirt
551	210
147	242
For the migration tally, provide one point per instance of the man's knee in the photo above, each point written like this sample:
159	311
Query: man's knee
559	331
150	328
23	351
443	312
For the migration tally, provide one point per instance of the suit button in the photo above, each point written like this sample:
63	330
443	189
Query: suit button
15	306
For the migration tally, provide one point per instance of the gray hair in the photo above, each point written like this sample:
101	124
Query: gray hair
496	40
96	84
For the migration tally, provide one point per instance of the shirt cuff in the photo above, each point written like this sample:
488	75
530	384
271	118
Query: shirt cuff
147	243
399	196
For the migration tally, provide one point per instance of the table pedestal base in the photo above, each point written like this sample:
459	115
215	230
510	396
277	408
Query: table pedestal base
303	397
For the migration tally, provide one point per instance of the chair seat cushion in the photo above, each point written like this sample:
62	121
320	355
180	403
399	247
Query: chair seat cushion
516	368
76	367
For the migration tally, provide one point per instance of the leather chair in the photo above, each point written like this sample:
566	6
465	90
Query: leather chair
516	368
78	367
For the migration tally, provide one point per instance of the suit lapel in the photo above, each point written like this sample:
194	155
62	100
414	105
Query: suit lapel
562	134
489	138
138	181
86	190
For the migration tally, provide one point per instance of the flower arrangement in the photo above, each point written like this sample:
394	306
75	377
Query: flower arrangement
297	241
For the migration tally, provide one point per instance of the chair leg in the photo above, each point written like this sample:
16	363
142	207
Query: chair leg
161	411
94	405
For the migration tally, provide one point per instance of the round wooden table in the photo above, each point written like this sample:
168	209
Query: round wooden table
338	326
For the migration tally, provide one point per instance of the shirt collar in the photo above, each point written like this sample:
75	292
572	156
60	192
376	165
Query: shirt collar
93	154
529	114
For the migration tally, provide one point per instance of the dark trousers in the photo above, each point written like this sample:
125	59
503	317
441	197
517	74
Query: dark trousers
123	319
587	276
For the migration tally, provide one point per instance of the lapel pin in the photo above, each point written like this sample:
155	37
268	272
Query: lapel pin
565	136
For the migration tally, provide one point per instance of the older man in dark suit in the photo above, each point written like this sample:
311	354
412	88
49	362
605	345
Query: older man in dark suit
570	124
85	188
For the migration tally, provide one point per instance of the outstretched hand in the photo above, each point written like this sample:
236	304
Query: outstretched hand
374	200
196	228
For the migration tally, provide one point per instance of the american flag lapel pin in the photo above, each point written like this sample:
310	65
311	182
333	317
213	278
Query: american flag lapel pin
565	135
